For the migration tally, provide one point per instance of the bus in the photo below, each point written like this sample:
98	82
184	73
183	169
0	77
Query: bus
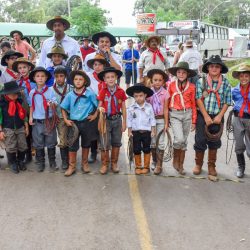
210	39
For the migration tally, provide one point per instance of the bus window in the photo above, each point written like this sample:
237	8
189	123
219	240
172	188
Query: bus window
219	33
206	32
215	32
211	33
223	33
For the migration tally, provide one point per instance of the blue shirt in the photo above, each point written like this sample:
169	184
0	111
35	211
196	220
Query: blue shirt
127	55
39	112
238	99
82	108
26	93
51	81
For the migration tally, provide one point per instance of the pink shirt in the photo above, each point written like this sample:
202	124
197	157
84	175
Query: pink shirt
23	47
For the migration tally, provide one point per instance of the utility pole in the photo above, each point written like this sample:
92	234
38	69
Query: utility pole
68	8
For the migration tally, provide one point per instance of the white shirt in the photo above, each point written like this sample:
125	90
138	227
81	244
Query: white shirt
70	46
6	77
193	57
93	83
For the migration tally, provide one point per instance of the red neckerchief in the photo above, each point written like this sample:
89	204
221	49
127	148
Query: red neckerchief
81	95
245	100
101	84
45	104
13	106
59	93
215	91
12	73
156	53
27	83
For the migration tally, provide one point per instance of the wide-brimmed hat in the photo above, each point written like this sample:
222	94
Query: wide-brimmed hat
242	69
57	19
158	39
152	72
96	36
214	131
189	43
184	66
8	54
10	88
139	87
86	38
57	50
82	73
214	59
39	69
108	70
98	58
71	135
16	31
22	60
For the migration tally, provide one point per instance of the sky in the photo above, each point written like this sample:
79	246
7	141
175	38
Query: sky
120	12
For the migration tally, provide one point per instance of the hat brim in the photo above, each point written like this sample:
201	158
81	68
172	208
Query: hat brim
224	68
237	73
51	22
14	91
95	38
3	63
91	62
49	55
16	31
15	65
82	73
102	74
153	37
173	71
32	74
157	71
139	88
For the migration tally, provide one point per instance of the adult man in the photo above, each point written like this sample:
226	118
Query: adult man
104	40
71	47
85	48
22	46
152	58
130	58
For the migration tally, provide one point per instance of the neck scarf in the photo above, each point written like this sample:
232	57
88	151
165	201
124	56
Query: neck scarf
27	83
81	95
63	93
246	102
111	99
13	74
178	92
101	84
45	104
156	101
156	53
215	91
14	106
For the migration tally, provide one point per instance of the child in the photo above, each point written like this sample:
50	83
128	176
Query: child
141	125
158	101
23	66
213	96
57	55
241	120
13	126
81	106
112	101
61	89
182	111
7	60
42	102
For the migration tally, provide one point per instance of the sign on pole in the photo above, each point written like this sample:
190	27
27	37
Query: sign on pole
146	23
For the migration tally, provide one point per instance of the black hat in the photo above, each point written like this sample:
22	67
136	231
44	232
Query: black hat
81	73
214	131
39	69
112	39
8	54
107	70
184	66
139	87
60	70
10	88
214	59
16	31
157	71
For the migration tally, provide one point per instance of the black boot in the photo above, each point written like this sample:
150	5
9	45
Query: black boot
40	159
13	162
241	165
20	160
28	156
92	158
65	158
52	159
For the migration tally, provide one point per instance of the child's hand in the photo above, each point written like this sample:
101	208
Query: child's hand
193	127
31	122
153	133
101	110
124	127
217	119
2	136
208	120
69	123
166	127
92	117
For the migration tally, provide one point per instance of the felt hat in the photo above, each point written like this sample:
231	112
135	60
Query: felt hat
158	39
189	43
242	69
8	54
22	60
82	73
214	131
39	69
16	31
157	71
57	19
214	59
99	58
11	88
57	50
182	65
139	87
96	36
108	70
86	38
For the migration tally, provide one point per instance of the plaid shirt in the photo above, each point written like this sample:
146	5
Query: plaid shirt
210	101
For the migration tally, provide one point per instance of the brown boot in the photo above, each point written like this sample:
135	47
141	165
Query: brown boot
72	164
146	168
105	162
159	162
212	155
199	156
114	159
85	164
137	164
176	159
181	162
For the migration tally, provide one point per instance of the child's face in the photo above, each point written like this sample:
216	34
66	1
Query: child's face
98	67
110	78
13	96
244	78
40	78
140	97
23	69
214	69
79	81
181	75
60	78
157	81
57	59
10	61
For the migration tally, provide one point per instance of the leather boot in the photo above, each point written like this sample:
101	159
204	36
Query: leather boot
93	154
105	161
199	156
176	158
212	154
40	159
114	159
138	164
85	164
52	159
28	156
72	164
146	168
20	160
154	158
65	158
181	162
159	162
12	160
241	165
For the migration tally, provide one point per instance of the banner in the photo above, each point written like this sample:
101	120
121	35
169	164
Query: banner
146	23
